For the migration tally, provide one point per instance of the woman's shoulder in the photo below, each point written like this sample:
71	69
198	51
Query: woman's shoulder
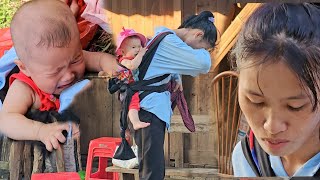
237	154
240	164
161	29
170	37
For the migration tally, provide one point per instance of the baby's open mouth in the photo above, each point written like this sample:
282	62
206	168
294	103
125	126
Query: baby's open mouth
66	85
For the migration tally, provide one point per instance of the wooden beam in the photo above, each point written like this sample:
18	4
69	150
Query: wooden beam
182	172
229	37
192	172
202	124
276	1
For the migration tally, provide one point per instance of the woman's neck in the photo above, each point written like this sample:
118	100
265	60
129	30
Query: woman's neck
296	160
181	33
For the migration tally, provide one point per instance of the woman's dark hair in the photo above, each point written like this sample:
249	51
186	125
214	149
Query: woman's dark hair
283	32
203	21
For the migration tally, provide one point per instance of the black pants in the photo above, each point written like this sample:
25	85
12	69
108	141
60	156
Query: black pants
150	142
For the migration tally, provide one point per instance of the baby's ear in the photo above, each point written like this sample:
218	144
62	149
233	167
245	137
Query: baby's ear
21	67
122	51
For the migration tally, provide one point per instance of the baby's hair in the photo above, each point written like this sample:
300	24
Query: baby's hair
59	35
51	29
204	22
283	32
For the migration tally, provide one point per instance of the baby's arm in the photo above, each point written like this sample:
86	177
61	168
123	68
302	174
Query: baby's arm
97	61
134	63
73	6
14	124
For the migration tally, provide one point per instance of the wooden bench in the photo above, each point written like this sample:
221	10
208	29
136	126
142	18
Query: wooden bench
202	124
171	171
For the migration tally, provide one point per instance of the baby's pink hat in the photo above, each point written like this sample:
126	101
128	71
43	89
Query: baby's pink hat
127	33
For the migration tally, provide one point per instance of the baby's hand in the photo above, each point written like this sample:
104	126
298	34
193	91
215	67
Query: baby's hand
73	6
142	51
51	134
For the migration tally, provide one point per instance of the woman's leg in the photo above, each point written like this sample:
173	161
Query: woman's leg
150	142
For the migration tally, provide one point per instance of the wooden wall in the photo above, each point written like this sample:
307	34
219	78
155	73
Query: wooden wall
100	111
143	15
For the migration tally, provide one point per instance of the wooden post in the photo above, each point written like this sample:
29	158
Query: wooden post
27	159
59	159
15	160
229	37
37	159
167	149
79	153
179	154
4	156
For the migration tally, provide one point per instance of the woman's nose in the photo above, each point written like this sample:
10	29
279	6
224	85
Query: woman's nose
274	122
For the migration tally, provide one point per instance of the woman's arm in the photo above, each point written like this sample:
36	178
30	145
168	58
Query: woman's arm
175	56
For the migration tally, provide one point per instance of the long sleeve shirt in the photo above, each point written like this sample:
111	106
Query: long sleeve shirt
242	168
173	56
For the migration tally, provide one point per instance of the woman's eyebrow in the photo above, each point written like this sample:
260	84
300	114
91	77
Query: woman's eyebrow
295	97
254	93
300	96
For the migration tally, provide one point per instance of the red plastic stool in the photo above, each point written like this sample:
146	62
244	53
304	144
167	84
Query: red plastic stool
56	176
103	148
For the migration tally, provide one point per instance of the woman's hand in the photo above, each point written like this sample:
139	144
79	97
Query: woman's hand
178	86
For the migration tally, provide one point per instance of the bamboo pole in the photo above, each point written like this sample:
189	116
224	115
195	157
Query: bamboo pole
229	37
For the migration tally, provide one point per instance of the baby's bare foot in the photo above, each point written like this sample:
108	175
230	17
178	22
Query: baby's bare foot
140	125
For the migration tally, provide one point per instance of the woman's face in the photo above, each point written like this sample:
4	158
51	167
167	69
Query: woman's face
278	109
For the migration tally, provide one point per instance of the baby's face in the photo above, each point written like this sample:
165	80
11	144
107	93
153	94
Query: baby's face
131	47
55	69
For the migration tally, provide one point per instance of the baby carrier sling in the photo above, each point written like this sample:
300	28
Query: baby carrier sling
124	152
4	90
257	158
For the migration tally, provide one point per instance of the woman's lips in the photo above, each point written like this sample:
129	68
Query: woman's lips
275	143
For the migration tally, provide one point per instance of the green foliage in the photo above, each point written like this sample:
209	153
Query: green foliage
7	9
